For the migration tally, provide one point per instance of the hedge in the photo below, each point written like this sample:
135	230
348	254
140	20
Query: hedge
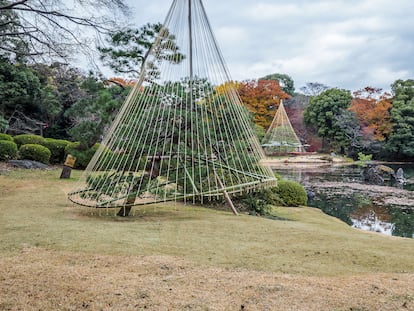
6	137
35	152
292	193
83	157
8	150
24	139
57	149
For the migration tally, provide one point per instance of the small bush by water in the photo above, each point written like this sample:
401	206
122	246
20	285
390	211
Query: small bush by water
292	193
260	202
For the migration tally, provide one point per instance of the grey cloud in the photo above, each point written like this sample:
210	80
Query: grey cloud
348	44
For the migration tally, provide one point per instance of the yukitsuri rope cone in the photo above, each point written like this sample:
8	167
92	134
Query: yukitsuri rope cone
182	133
280	137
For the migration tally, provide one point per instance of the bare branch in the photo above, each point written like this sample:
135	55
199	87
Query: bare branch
49	28
77	20
13	51
12	5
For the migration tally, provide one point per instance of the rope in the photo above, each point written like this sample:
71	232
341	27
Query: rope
280	136
176	137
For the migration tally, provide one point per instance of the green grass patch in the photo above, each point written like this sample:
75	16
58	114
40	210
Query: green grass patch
34	211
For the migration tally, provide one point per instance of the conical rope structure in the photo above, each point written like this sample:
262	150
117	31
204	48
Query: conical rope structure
182	133
280	137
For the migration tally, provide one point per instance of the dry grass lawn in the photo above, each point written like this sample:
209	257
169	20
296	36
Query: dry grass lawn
55	256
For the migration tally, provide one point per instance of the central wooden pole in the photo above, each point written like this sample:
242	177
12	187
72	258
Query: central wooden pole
190	38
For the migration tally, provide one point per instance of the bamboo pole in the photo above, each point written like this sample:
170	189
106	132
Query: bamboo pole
226	195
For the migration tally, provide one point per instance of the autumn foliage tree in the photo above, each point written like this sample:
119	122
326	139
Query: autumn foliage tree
285	81
262	98
307	134
372	108
224	88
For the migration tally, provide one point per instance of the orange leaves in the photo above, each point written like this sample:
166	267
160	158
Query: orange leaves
372	108
262	98
122	82
226	87
372	93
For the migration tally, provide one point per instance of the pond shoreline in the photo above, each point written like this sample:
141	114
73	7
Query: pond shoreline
311	160
338	189
380	195
316	160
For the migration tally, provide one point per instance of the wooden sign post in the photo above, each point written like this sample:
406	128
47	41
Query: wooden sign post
67	166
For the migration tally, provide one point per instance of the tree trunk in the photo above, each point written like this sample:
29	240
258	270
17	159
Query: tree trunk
124	211
154	172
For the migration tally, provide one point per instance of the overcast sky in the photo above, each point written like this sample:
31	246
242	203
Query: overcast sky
347	44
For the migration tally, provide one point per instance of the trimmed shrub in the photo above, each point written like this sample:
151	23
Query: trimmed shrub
24	139
83	157
6	137
35	152
8	150
57	148
292	193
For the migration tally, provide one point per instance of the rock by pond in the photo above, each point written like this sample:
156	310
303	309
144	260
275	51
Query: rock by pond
377	174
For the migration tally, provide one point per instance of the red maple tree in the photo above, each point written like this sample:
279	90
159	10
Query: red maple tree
372	108
262	98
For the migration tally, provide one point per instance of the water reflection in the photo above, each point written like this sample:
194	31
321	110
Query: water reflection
373	218
356	207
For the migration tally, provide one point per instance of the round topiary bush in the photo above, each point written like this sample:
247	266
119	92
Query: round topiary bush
24	139
6	137
83	157
8	150
35	152
292	193
57	148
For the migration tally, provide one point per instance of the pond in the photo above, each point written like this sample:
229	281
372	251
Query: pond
340	191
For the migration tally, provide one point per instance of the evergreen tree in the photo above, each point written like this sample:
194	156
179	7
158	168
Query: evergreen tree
129	48
285	81
20	97
92	114
328	113
401	141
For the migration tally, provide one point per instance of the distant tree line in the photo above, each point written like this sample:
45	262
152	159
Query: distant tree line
41	94
335	120
60	101
369	120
